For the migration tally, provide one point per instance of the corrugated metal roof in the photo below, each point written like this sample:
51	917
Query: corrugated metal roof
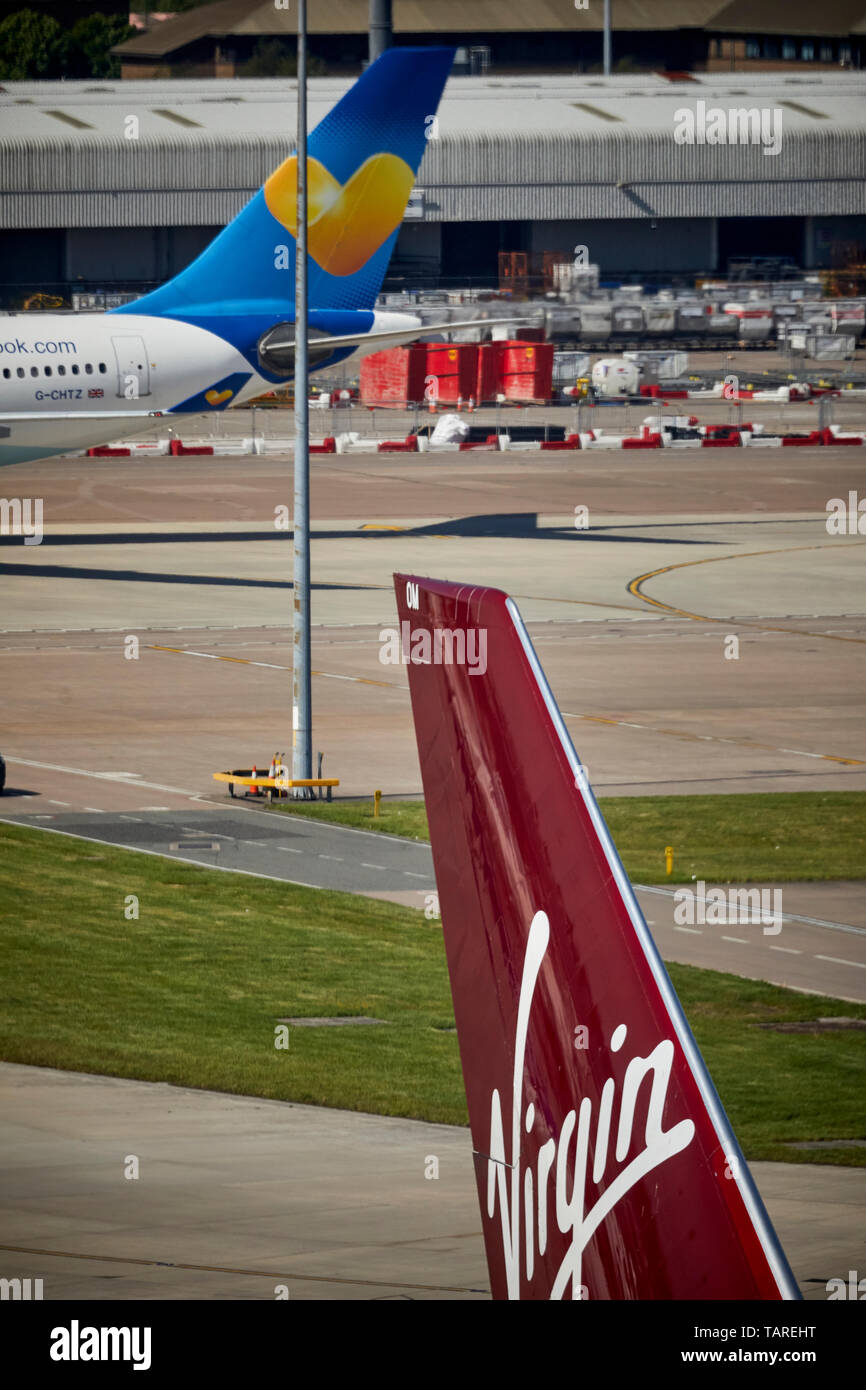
431	17
545	148
262	107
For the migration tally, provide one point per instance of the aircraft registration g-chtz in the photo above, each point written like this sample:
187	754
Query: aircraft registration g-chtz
223	330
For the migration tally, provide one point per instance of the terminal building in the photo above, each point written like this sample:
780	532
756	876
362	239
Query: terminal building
116	185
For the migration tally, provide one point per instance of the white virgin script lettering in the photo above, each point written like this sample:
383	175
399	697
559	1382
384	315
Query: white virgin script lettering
552	1157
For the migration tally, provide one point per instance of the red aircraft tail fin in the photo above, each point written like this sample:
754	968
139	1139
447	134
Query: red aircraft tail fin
606	1166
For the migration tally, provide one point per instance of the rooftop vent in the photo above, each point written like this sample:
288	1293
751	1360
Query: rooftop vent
805	110
70	120
177	118
596	111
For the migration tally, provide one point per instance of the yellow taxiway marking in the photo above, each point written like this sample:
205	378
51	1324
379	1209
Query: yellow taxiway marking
582	602
274	666
715	738
589	718
634	587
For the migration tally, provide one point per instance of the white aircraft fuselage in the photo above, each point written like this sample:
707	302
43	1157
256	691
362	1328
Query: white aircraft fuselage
71	381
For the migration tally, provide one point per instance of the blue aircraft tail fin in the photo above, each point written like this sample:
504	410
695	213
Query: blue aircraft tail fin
362	161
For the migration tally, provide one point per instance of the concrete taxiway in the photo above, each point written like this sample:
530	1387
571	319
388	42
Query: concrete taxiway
237	1198
632	617
145	644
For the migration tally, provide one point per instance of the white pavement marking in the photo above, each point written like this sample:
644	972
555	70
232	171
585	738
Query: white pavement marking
371	866
789	950
335	829
692	931
409	874
706	738
51	802
121	778
623	723
97	810
739	940
160	854
859	964
211	656
785	916
273	666
287	849
336	857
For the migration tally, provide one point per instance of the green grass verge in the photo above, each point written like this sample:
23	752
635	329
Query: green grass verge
191	991
781	836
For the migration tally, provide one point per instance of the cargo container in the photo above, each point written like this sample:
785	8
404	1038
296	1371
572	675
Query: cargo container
752	320
627	318
451	370
562	321
692	319
595	321
394	376
527	371
658	366
660	318
718	322
830	347
488	372
817	317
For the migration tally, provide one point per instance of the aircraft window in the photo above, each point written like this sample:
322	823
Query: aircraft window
20	371
102	367
6	373
34	371
75	369
61	370
88	369
47	371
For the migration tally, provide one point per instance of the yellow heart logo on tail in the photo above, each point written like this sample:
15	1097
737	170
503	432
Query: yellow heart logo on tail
217	397
348	223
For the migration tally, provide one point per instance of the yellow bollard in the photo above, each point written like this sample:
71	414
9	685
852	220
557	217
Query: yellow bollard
377	797
669	860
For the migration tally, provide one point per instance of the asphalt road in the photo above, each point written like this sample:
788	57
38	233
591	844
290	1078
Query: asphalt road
818	943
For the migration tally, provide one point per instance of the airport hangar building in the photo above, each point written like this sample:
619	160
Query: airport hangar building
110	185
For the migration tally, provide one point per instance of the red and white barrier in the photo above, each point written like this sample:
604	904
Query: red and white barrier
834	434
409	445
655	431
